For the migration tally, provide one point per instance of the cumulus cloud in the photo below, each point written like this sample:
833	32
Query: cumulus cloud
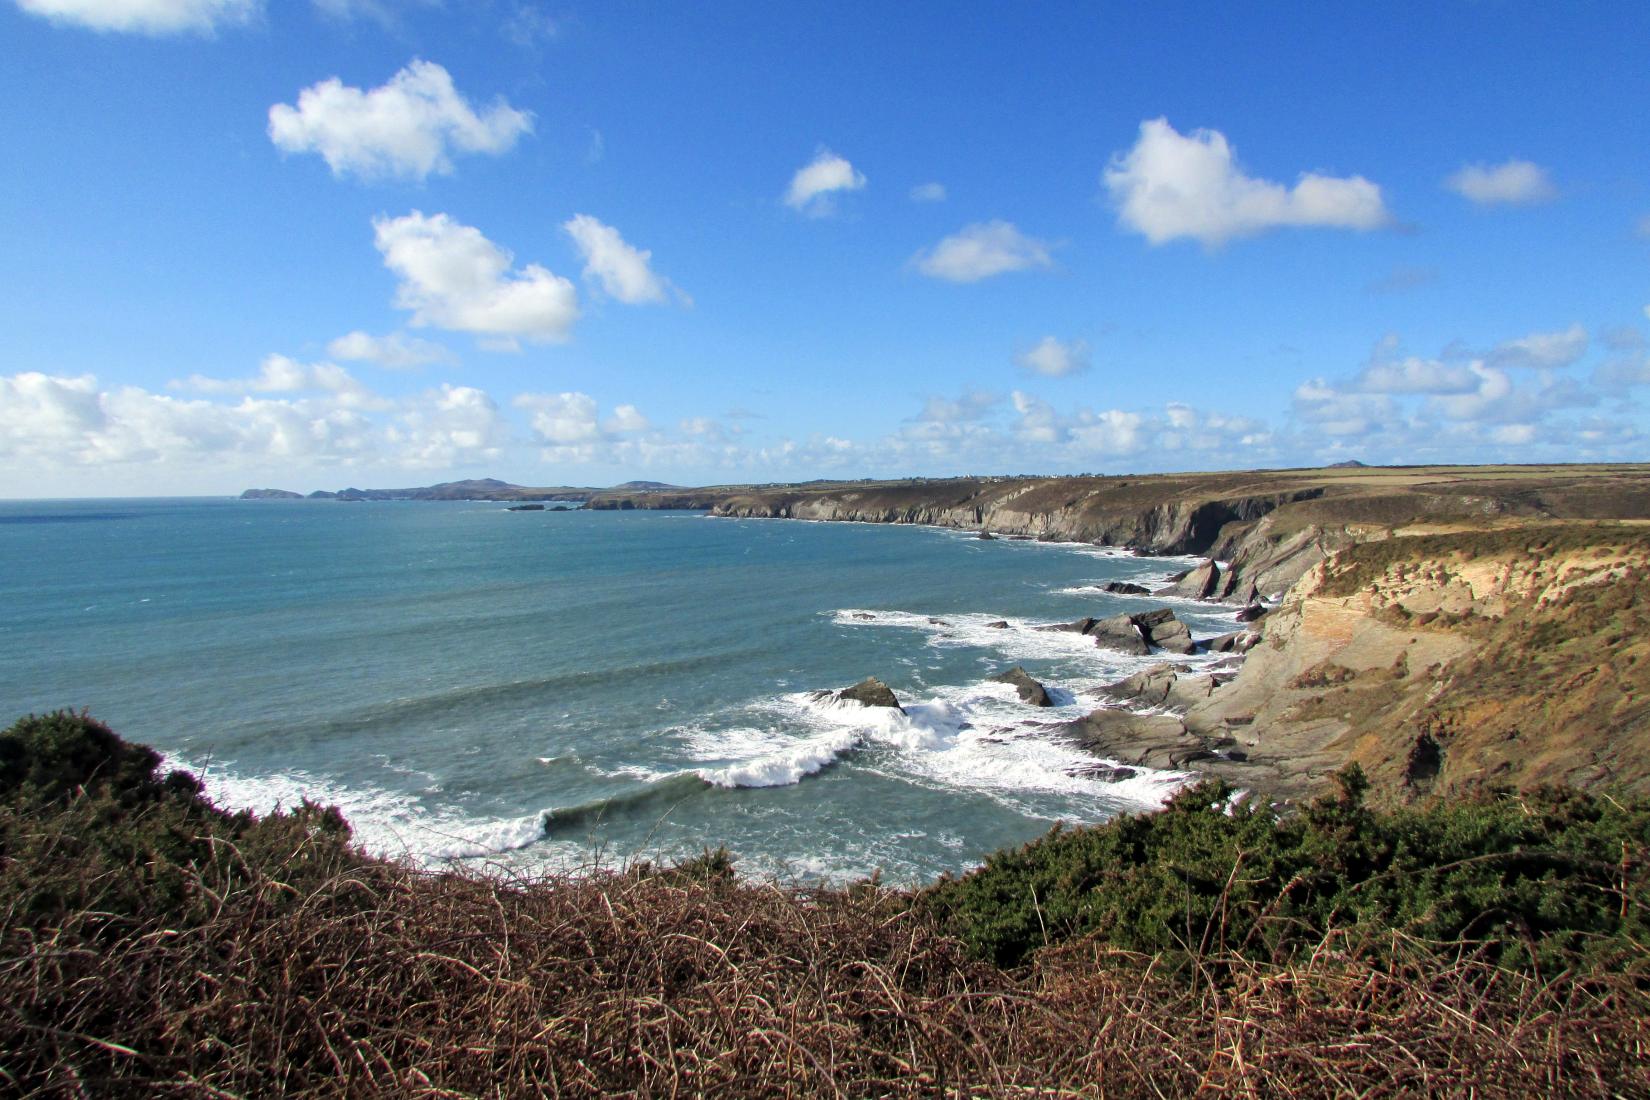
1171	185
452	277
970	406
1414	375
982	250
1053	359
815	185
562	419
623	271
1541	350
153	17
928	192
282	374
626	418
1341	414
52	422
396	351
409	127
1512	183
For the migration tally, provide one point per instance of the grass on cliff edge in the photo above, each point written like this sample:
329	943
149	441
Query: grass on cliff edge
151	941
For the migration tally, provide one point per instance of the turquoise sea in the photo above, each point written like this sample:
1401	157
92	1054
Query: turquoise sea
553	689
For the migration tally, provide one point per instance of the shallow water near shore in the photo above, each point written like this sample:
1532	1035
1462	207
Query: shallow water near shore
553	689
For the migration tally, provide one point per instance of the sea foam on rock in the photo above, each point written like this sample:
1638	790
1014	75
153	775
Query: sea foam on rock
1031	691
869	692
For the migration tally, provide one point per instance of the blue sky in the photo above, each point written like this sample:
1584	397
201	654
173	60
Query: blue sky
311	243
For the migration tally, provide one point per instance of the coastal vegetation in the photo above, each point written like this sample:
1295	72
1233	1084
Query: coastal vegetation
1489	947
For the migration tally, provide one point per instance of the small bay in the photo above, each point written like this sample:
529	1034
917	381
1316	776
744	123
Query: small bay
552	689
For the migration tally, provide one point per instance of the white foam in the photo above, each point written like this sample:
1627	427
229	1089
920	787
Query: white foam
1083	664
981	737
385	823
785	766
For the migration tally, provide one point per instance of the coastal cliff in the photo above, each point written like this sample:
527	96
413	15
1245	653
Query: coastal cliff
1512	654
1271	525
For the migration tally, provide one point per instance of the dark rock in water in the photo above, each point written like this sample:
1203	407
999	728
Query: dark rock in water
1030	690
1251	613
1173	636
870	692
1120	633
1199	584
1142	740
987	535
1019	538
1238	641
1102	773
1000	624
1146	620
864	615
1149	688
561	508
1076	626
1124	588
525	508
938	622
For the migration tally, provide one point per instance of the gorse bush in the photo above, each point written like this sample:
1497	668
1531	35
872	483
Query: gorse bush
125	841
1544	878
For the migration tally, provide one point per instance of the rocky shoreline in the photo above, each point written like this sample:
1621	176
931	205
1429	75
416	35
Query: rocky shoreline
1369	646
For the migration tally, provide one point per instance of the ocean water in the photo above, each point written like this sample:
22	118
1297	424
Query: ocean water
562	689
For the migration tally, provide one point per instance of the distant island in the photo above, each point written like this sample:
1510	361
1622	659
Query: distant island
486	488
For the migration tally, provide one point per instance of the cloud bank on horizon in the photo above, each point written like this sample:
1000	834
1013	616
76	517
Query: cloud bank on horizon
371	236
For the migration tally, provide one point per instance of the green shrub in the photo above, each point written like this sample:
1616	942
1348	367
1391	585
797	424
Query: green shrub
89	824
1542	878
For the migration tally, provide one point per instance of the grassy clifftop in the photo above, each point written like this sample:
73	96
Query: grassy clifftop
150	942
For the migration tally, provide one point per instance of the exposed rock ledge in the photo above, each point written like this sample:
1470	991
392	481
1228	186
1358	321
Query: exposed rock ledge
1516	655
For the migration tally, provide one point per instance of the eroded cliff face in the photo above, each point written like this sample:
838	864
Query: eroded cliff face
1273	526
1516	655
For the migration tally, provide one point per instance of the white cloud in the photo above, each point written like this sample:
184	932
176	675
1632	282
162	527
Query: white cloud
815	185
396	351
1054	359
622	270
1484	402
928	192
1338	413
970	406
562	419
626	418
1413	375
451	426
1541	350
410	127
982	250
454	278
282	374
55	423
1171	185
156	17
1513	183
